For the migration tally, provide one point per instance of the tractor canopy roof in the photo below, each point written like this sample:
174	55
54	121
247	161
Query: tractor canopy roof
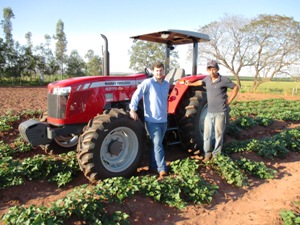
176	37
173	37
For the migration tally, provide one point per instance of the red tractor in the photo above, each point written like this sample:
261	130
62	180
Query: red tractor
91	113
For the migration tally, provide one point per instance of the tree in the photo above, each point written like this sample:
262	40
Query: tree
275	51
267	45
30	60
7	26
75	64
46	62
8	54
144	53
2	56
61	45
228	44
94	63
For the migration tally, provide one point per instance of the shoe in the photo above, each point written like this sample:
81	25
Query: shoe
206	159
162	174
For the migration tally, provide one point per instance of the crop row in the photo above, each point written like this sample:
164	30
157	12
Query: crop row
62	168
182	186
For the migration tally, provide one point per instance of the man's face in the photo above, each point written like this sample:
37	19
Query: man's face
212	71
158	73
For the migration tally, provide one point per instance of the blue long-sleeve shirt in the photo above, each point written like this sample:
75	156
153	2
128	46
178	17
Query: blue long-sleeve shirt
155	100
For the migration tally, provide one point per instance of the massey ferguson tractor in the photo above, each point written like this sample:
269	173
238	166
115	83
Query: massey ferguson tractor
91	113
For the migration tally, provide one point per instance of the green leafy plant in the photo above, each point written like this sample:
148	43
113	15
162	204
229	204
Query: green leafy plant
291	217
6	122
59	170
228	170
258	169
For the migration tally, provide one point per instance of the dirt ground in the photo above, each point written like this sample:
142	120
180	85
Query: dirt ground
258	204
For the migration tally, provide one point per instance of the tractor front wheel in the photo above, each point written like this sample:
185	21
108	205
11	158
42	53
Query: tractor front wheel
111	145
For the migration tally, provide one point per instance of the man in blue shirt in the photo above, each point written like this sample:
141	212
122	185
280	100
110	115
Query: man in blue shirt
217	108
155	92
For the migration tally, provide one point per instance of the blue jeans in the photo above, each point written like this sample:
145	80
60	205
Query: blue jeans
214	128
157	154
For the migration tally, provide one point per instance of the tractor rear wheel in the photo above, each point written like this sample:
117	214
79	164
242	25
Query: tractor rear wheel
111	145
191	115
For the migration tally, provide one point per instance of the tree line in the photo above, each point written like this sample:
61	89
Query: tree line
264	47
20	61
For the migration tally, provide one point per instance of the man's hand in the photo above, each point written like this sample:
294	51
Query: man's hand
188	82
133	115
196	83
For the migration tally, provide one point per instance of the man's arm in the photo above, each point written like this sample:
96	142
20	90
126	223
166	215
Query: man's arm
233	94
196	83
137	95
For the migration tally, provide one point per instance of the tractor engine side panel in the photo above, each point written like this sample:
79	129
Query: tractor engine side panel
87	100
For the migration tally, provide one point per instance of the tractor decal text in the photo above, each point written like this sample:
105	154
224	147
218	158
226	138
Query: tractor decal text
114	83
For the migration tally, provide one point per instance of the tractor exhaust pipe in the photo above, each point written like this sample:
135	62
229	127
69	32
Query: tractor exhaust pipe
105	58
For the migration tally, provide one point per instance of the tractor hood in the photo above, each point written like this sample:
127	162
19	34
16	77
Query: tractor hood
87	82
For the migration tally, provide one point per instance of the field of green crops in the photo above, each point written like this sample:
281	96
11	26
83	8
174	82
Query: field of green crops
184	185
276	87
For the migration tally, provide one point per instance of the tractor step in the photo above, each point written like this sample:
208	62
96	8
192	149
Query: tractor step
172	136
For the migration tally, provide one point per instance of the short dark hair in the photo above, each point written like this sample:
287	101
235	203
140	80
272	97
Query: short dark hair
157	65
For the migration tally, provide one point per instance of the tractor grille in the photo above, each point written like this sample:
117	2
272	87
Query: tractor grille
57	106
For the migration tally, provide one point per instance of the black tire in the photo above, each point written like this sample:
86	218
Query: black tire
190	117
112	145
59	144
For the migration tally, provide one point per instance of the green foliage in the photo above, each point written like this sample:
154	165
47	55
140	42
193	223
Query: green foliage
193	186
264	121
6	122
117	188
89	203
94	63
81	204
185	181
291	139
272	109
183	185
245	122
59	170
75	64
269	147
291	217
143	54
276	146
258	169
18	146
10	172
228	170
236	146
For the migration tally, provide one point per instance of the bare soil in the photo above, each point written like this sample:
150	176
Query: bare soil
258	204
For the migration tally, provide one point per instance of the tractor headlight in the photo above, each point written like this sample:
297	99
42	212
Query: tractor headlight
62	90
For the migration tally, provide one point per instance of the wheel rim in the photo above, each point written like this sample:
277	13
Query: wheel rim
119	149
66	141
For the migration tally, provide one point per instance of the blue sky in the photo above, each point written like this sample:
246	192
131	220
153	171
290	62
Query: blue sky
84	21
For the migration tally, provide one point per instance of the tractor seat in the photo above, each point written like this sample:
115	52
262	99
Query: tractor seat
174	75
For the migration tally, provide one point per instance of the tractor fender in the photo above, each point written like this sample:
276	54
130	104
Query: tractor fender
179	90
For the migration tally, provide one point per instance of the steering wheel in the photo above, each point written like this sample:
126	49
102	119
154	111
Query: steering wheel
148	72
